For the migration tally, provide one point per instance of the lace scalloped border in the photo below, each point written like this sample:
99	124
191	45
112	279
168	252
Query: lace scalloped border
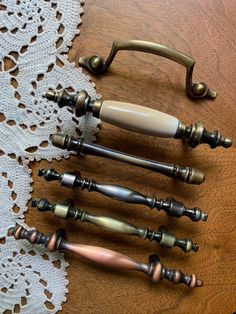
35	38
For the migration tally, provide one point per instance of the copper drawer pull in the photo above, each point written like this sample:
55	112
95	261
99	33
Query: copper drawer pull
97	64
154	269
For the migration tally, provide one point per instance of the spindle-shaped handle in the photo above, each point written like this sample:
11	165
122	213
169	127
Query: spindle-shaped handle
140	119
107	257
97	64
185	174
171	206
163	236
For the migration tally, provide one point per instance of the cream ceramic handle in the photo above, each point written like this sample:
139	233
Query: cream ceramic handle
138	118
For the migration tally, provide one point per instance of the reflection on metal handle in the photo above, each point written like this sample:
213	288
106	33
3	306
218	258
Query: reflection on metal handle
155	269
171	206
162	236
185	174
97	64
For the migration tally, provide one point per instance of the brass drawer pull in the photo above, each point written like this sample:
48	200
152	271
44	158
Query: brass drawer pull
163	237
138	118
97	64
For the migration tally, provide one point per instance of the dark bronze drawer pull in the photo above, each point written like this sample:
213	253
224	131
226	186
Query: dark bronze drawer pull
78	145
171	206
97	64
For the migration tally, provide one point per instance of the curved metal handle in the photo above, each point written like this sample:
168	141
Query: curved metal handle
171	206
97	64
162	236
185	174
154	268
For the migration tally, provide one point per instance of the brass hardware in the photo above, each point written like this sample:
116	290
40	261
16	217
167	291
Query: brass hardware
194	135
97	64
162	236
60	210
154	269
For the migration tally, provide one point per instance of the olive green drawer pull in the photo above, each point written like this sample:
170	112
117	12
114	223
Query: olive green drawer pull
66	210
97	64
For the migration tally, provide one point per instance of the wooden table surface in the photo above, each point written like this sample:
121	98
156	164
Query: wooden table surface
205	30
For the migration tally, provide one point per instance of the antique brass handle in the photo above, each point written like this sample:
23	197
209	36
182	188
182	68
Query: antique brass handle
163	237
97	64
138	118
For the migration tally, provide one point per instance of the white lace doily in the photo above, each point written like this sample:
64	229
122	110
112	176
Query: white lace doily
35	36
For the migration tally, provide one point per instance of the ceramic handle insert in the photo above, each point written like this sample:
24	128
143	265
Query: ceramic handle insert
138	118
134	118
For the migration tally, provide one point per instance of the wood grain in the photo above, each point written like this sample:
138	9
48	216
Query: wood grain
205	30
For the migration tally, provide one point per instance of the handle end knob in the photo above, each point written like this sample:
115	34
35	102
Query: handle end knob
226	143
58	140
177	209
51	95
188	175
49	174
201	90
42	204
195	214
95	64
196	134
196	176
159	272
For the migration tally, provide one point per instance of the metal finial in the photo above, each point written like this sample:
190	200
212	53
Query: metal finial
196	134
155	269
80	100
51	242
162	236
51	95
171	206
185	174
49	175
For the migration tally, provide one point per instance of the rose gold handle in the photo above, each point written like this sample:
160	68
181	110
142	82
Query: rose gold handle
116	260
106	257
103	256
